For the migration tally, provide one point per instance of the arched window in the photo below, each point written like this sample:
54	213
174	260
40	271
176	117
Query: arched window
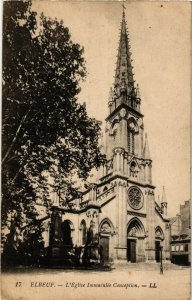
133	169
132	130
84	232
131	141
66	231
114	127
105	189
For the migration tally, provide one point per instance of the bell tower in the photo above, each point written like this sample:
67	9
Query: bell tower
124	124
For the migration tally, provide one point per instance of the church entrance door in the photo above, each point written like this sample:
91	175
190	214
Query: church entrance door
104	248
131	250
157	251
66	230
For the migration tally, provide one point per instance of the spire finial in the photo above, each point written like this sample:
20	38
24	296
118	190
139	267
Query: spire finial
123	5
111	94
164	198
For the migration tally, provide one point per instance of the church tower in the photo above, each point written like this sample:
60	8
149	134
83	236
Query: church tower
128	169
124	124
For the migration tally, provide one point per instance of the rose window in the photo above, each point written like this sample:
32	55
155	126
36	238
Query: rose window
135	198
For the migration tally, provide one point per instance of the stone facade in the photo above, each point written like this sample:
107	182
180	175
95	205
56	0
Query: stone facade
120	205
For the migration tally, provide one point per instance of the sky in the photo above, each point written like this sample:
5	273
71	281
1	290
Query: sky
160	45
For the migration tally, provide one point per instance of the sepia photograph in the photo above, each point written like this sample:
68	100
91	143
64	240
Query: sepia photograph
95	176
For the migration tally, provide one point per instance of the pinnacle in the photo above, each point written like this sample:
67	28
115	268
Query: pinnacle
138	91
164	198
110	94
146	152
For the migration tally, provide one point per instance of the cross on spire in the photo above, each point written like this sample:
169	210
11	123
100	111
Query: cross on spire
123	5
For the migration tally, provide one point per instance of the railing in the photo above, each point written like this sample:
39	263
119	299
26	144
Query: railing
105	194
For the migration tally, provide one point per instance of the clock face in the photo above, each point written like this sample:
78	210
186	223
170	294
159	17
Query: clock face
135	197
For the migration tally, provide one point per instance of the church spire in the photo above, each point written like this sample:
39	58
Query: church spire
146	152
164	202
124	81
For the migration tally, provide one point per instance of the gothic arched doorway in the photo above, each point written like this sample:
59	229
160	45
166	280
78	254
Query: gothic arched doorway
159	237
105	232
67	227
135	237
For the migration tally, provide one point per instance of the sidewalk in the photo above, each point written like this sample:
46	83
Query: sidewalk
147	266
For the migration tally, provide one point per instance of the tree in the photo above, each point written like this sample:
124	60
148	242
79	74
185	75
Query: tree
46	133
19	25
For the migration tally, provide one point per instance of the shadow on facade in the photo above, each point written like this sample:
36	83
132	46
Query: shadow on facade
63	253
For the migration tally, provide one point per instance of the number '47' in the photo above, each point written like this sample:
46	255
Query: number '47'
18	284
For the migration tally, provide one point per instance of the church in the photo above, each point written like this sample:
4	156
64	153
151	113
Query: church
120	204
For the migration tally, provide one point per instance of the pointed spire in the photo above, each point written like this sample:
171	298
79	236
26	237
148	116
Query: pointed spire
146	152
123	25
164	198
124	75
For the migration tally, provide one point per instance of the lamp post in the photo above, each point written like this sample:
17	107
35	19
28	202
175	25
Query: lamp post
161	259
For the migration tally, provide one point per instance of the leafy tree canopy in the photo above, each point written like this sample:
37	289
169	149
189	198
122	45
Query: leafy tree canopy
46	133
